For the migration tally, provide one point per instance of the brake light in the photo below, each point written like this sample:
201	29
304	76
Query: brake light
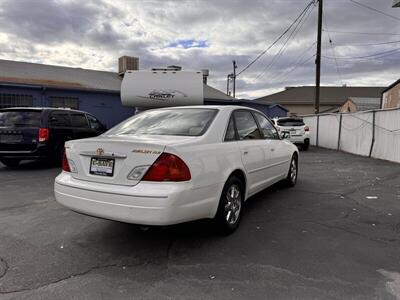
65	164
168	167
43	134
306	128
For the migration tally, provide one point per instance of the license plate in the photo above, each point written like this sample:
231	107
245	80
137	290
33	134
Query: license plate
102	166
10	138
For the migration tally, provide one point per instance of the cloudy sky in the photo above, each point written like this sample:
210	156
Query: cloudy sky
199	34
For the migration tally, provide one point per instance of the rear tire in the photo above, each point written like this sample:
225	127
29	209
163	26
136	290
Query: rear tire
10	162
305	146
230	208
291	178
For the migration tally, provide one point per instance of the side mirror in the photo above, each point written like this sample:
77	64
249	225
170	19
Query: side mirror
285	135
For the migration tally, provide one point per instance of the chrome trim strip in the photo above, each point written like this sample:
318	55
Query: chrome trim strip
111	193
16	152
270	166
105	155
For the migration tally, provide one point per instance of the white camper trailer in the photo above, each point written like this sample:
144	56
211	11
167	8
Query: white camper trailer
162	88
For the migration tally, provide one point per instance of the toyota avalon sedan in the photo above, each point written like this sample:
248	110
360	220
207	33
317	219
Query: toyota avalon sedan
173	165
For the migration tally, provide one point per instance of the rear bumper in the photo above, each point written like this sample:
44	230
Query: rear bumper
300	139
41	151
147	203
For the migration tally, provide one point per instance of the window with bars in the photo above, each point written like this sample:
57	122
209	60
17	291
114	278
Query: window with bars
15	100
69	102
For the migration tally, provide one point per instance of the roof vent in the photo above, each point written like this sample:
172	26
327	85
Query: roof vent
126	63
169	68
205	72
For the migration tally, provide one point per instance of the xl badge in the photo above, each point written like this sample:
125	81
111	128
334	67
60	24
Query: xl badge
100	151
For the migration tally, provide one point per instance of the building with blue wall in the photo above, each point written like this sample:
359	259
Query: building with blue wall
96	92
25	84
270	110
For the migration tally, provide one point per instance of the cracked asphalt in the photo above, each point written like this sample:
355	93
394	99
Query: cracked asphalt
336	235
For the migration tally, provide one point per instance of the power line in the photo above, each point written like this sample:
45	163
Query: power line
376	55
295	67
296	64
375	10
372	44
333	51
277	40
280	52
283	48
366	33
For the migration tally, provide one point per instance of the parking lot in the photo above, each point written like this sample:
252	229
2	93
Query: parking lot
334	236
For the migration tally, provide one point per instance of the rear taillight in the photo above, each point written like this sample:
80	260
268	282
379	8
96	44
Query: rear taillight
43	134
168	167
65	164
306	128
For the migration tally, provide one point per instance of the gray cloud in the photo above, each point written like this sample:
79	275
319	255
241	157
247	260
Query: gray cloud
53	21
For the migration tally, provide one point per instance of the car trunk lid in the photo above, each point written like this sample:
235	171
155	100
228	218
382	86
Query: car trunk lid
292	125
110	160
19	130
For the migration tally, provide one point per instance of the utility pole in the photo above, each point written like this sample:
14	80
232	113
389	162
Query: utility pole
318	59
227	83
234	77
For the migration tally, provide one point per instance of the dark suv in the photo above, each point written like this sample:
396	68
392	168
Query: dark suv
40	133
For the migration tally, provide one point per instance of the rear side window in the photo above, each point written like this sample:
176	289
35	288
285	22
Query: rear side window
246	126
267	128
20	118
230	131
94	123
290	122
59	119
79	120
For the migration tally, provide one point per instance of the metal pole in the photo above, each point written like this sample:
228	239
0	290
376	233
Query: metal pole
373	133
227	83
318	59
316	138
340	132
234	77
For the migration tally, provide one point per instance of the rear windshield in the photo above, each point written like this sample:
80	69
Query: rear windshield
20	118
183	121
290	122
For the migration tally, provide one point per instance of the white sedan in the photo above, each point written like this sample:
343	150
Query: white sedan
173	165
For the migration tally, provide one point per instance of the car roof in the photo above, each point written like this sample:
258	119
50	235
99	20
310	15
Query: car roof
219	107
290	118
41	109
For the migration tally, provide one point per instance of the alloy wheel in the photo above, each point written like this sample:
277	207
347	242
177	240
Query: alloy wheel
293	171
233	204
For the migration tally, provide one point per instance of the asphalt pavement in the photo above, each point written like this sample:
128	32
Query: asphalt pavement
336	235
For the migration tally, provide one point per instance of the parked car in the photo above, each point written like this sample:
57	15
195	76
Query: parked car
172	165
297	132
40	133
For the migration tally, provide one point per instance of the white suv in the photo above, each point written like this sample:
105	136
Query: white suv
299	133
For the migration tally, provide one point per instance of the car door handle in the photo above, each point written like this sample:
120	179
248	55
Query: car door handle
245	152
272	149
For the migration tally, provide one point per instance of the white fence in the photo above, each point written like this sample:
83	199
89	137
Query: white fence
373	133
